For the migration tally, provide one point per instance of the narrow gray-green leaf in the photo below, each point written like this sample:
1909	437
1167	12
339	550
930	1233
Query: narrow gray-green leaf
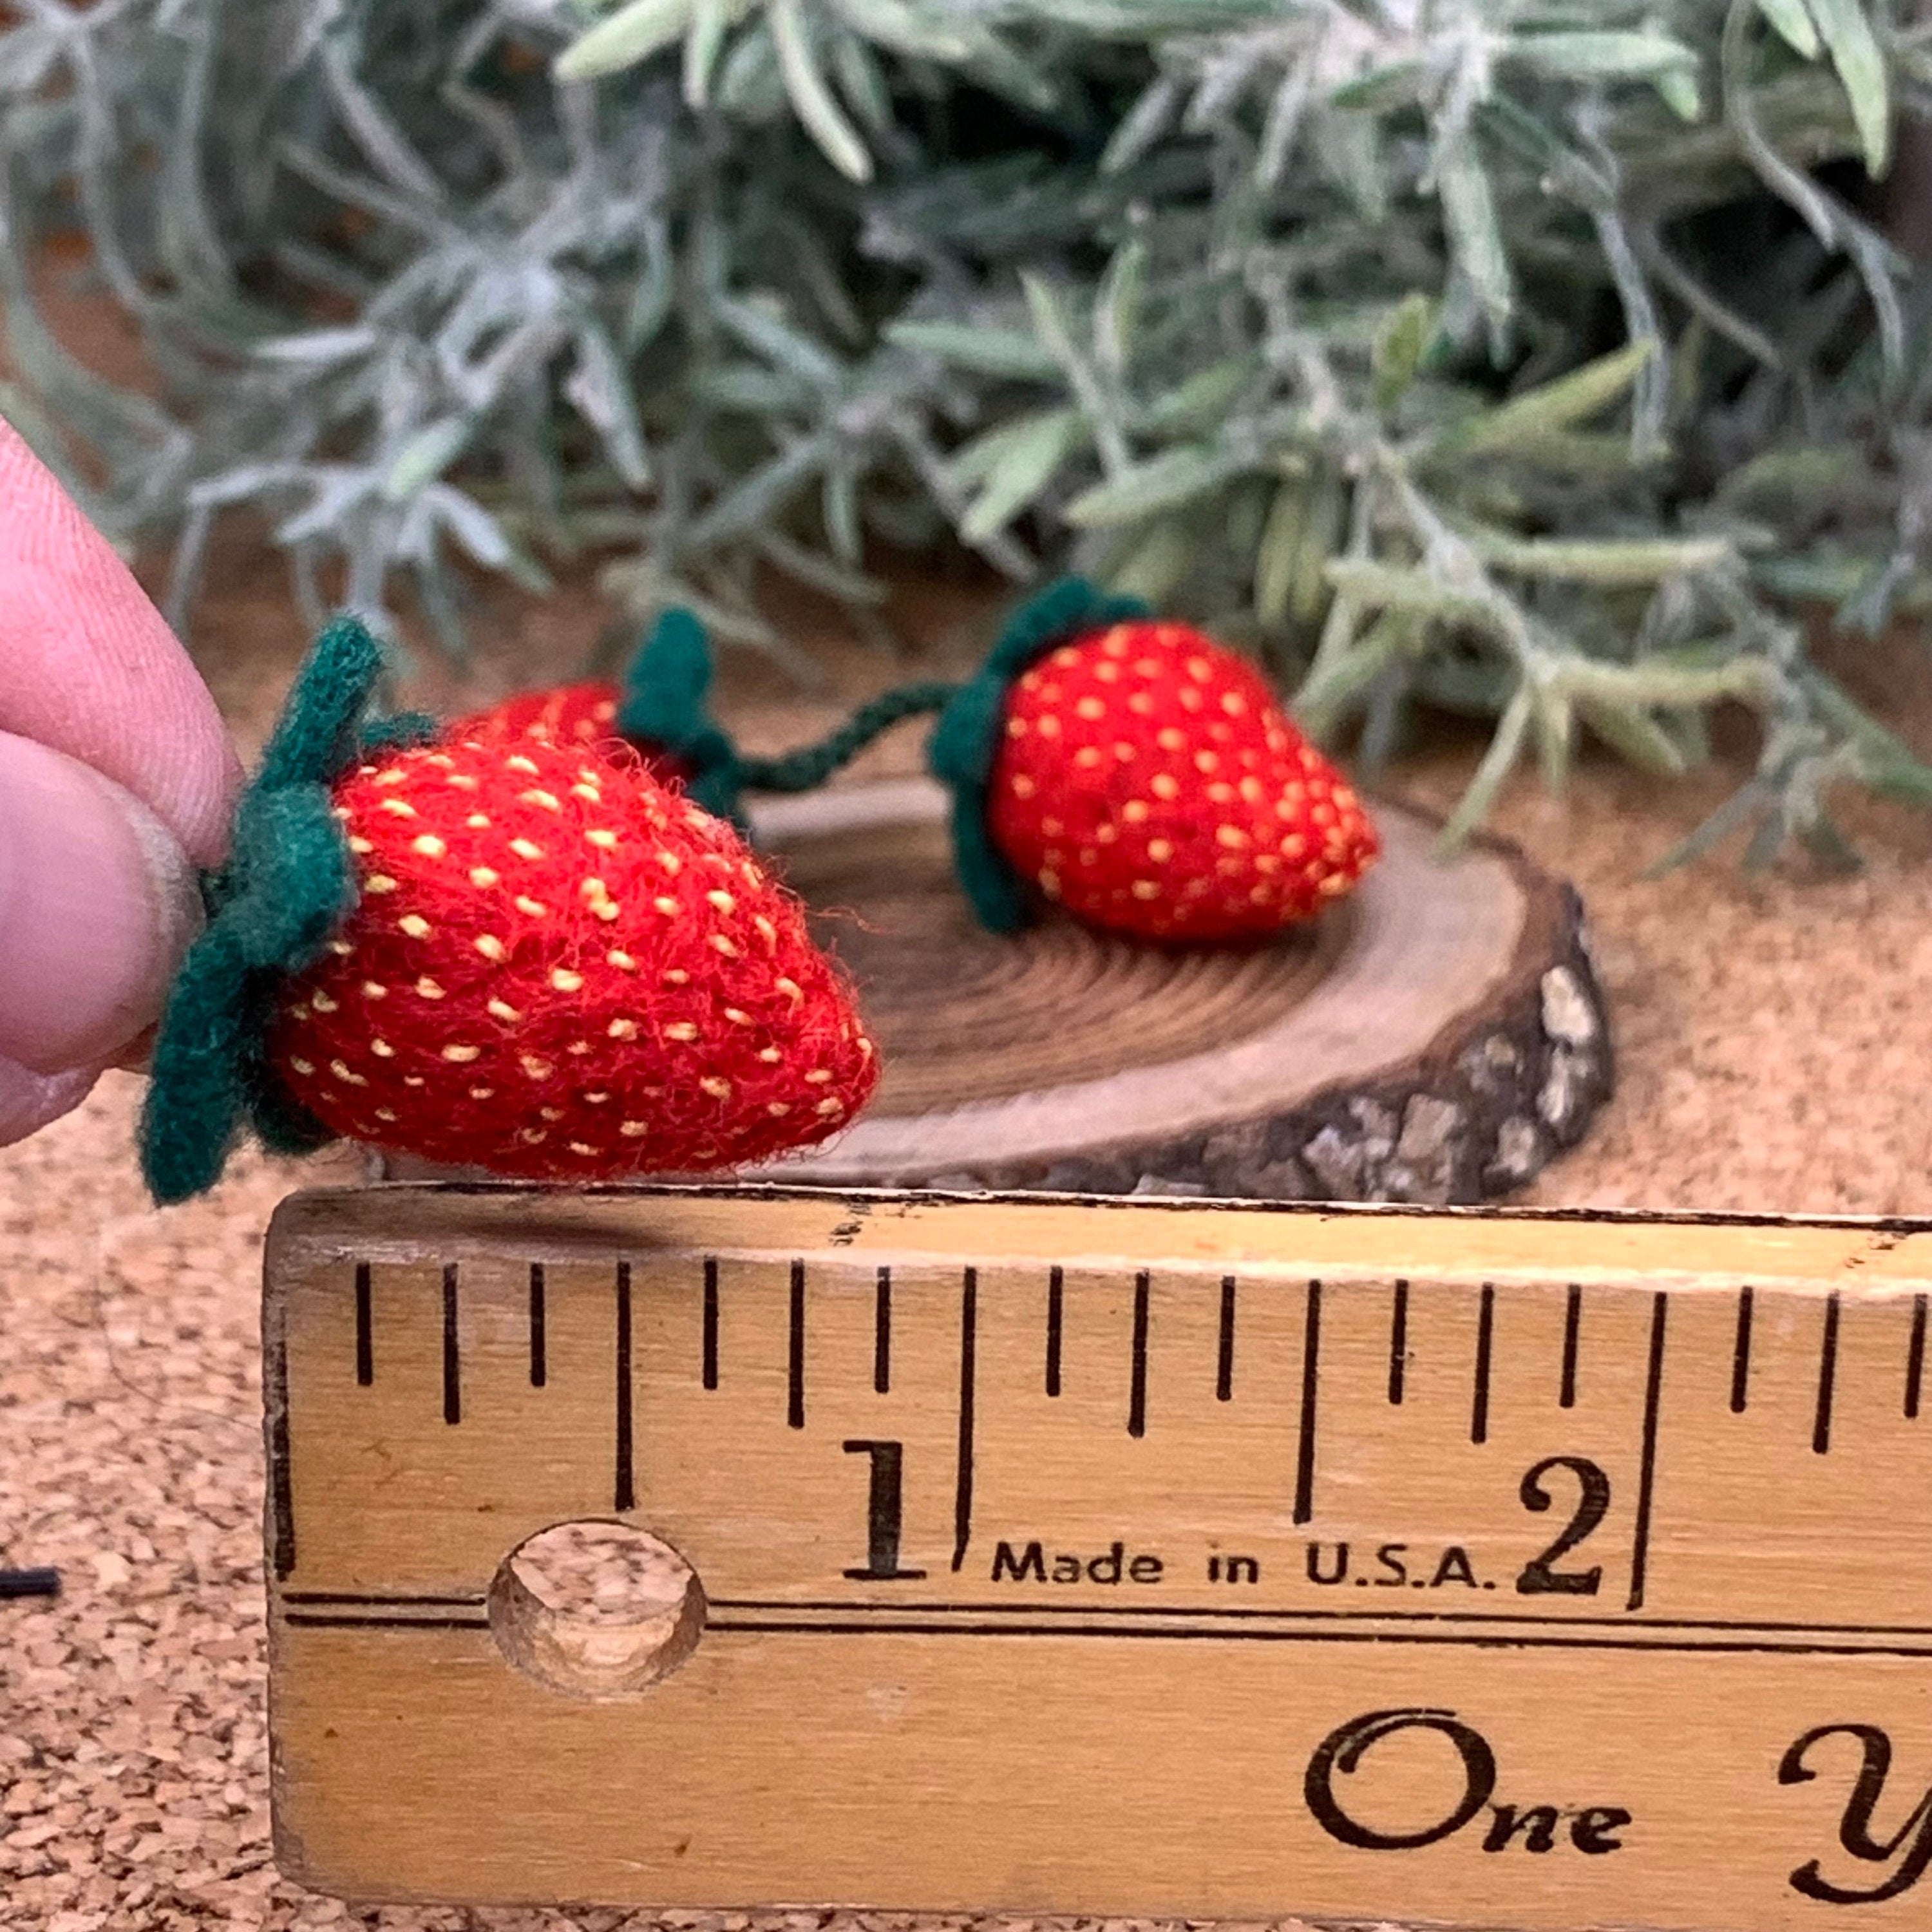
1026	465
1602	56
425	457
1400	339
1174	477
632	34
1861	64
1557	405
822	117
990	351
1469	210
1586	560
1792	20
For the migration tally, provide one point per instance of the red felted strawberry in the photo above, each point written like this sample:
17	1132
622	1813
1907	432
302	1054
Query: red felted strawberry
510	956
1144	777
659	716
581	717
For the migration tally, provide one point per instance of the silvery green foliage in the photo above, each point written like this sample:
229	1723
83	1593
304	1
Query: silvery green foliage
1528	359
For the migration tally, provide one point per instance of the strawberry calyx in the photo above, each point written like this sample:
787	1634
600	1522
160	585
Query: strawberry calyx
665	709
287	884
965	741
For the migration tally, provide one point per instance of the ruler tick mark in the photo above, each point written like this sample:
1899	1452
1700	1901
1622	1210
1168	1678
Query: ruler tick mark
1915	1360
625	1489
1828	1377
962	1493
711	1321
1224	1366
1311	1372
1741	1358
795	1353
539	1361
882	1333
1398	1345
1137	1393
365	1340
1485	1338
452	1357
1056	1296
281	1478
1573	1331
1646	1496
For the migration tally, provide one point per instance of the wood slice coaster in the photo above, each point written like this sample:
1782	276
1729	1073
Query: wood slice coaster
1436	1037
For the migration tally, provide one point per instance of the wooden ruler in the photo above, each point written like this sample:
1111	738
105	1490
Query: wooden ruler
1106	1557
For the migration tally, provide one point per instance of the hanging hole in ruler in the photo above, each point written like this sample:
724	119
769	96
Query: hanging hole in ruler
596	1610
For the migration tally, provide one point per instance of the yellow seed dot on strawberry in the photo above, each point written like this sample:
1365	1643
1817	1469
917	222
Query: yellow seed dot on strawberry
484	877
1165	786
1232	837
622	1029
728	947
676	975
374	989
415	925
665	905
724	901
517	762
535	1066
716	1086
526	848
1159	850
1145	888
633	1129
378	883
529	908
360	846
400	807
382	1049
622	960
477	821
305	1067
778	1109
565	981
427	988
428	845
830	1105
545	801
460	1055
482	1092
492	948
502	1009
680	1030
770	1055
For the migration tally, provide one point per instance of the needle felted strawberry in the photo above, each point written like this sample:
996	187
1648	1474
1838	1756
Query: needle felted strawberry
1142	776
659	716
512	955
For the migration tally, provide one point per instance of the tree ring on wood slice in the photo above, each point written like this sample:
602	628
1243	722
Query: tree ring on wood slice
1436	1037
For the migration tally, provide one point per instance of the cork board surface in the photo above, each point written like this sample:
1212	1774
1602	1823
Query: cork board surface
1775	1036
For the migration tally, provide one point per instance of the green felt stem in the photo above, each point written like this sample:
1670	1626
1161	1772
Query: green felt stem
811	765
288	883
966	740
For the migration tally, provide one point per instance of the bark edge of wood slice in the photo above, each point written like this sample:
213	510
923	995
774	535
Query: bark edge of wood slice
1436	1039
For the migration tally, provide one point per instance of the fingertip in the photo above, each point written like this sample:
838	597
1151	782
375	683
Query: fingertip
98	903
88	666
